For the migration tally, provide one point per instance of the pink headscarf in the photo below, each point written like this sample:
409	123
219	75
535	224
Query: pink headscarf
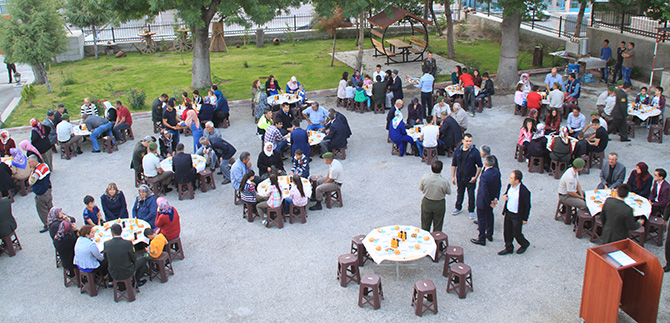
25	145
293	83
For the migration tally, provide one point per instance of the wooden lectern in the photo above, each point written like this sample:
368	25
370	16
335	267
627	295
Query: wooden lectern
608	285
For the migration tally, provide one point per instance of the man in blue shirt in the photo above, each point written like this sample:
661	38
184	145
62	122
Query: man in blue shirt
239	168
572	88
552	78
315	116
606	55
576	122
426	86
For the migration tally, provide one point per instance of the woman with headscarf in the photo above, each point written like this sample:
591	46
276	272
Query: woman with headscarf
145	207
114	203
167	220
269	162
193	122
640	180
39	138
20	171
398	134
538	144
54	219
167	143
64	242
525	82
561	147
30	150
292	86
6	143
415	113
261	105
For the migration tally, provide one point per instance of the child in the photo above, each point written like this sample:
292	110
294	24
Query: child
248	188
367	82
296	196
349	90
300	164
92	213
360	93
581	146
157	244
642	97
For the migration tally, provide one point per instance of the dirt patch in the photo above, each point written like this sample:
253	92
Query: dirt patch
291	63
225	81
118	69
118	94
285	51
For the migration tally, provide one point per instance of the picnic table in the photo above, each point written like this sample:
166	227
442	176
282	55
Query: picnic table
417	244
285	183
181	108
415	132
397	44
199	163
550	138
81	130
278	99
456	89
642	111
596	199
314	137
133	231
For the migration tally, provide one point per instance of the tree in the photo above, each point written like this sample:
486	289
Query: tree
580	16
88	14
657	9
450	29
33	34
198	14
514	11
330	25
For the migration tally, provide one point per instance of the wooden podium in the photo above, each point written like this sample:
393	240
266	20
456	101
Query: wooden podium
608	285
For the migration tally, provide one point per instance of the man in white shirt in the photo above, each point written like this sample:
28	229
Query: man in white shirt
429	135
329	183
153	170
610	101
88	108
556	97
516	211
378	72
570	191
65	133
440	106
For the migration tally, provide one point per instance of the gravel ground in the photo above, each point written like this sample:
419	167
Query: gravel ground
237	271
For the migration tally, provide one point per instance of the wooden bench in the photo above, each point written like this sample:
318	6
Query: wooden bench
380	48
418	42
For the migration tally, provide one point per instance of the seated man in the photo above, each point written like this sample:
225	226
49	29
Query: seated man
223	153
210	131
221	110
487	89
613	173
123	120
572	88
460	116
206	113
598	142
576	122
595	116
98	126
122	260
65	131
153	171
88	109
240	168
660	193
430	134
534	99
273	134
581	146
182	165
450	132
570	191
337	132
556	97
438	108
331	182
610	101
284	114
315	116
552	78
139	152
264	122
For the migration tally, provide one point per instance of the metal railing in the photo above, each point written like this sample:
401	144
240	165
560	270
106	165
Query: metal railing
559	25
628	22
128	32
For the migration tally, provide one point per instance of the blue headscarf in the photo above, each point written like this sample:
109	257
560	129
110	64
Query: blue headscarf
18	158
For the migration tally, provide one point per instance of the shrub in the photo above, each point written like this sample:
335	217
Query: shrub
136	98
29	93
68	79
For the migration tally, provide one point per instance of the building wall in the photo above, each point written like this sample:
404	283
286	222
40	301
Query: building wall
528	38
75	48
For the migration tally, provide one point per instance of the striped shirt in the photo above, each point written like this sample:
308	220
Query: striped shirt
274	200
89	110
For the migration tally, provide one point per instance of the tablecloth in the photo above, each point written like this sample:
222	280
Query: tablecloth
314	137
550	138
642	111
415	132
199	163
596	198
8	160
133	231
81	130
281	98
285	186
180	109
419	243
457	89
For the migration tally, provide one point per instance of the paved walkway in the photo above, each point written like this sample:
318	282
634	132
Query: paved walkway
10	93
413	69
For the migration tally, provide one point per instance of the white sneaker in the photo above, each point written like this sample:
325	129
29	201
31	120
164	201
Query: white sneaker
472	216
455	212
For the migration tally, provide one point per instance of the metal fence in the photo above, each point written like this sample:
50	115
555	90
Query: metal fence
559	25
128	32
628	22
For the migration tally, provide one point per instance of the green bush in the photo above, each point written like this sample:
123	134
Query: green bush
28	93
136	98
68	78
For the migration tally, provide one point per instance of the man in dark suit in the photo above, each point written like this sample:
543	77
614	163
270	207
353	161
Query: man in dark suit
337	132
224	151
284	114
660	192
182	165
487	199
617	216
299	140
620	112
450	131
122	259
613	173
396	86
379	91
516	211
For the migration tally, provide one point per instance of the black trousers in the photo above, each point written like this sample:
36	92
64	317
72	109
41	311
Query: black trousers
427	102
11	70
485	223
460	195
617	72
620	126
512	230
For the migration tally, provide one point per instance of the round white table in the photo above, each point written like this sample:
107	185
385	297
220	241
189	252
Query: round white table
285	183
415	132
314	137
418	244
199	163
283	97
81	130
596	199
642	111
133	231
458	90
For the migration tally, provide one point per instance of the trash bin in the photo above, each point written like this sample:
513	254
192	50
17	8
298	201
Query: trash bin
573	68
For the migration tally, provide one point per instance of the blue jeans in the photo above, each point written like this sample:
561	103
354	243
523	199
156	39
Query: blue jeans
175	135
315	126
280	146
603	74
104	129
287	205
482	95
225	170
469	98
419	146
117	130
626	74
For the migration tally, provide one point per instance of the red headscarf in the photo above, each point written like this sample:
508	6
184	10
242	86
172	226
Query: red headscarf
37	126
643	175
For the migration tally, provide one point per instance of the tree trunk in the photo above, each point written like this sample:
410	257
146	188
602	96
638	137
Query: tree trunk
95	41
450	29
437	24
508	72
43	70
332	59
37	72
580	17
201	75
460	9
361	38
426	6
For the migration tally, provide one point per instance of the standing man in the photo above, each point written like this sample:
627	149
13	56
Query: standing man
613	173
434	188
617	216
466	165
606	55
331	182
569	190
170	120
516	211
426	85
40	181
430	64
378	72
123	121
98	126
619	62
552	78
11	70
468	83
620	112
628	62
487	200
122	259
396	86
157	108
224	151
49	122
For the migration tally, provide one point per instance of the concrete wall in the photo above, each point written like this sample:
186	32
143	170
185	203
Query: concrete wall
234	40
528	38
75	48
644	49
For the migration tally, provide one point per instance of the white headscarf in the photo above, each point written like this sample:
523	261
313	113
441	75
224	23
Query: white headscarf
268	148
396	120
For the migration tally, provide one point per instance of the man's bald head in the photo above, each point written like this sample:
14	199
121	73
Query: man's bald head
398	103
